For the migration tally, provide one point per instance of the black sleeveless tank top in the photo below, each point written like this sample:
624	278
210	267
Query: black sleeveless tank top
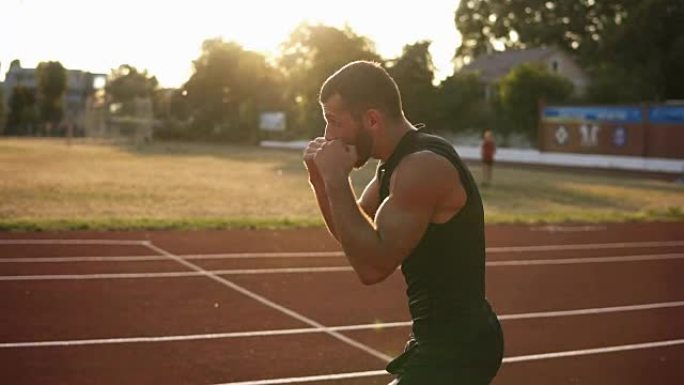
445	273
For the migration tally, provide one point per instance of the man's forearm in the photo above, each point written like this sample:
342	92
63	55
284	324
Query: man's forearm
355	232
324	206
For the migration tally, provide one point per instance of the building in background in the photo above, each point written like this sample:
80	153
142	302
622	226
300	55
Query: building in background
494	66
80	86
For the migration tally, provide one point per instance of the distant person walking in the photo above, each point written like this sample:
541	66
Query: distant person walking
487	151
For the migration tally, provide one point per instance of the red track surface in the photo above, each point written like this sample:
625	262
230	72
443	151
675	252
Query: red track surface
71	303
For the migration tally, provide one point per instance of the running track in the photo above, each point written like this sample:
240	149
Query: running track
597	304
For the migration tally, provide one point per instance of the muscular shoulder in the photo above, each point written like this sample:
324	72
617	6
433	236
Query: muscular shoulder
424	173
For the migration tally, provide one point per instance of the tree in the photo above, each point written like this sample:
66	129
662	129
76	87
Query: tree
126	83
228	89
23	116
634	49
644	57
52	83
578	26
613	84
414	72
2	110
308	57
461	103
520	92
15	63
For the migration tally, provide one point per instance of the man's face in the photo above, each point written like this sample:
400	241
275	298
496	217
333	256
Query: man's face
342	125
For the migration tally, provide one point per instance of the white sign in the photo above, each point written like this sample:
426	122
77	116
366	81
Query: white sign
589	135
561	135
272	121
619	136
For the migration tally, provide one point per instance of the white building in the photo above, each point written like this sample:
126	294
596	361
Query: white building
80	85
494	66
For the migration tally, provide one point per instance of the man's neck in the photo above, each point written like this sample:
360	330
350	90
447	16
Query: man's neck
386	145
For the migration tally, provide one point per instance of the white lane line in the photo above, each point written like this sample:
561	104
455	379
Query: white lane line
323	377
292	254
140	258
591	311
328	269
582	246
507	360
324	254
300	331
194	337
573	261
78	277
127	258
265	301
104	242
586	352
175	274
568	229
133	258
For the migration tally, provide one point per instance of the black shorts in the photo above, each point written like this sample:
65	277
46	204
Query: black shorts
477	363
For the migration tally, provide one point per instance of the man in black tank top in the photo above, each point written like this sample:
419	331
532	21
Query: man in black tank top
422	211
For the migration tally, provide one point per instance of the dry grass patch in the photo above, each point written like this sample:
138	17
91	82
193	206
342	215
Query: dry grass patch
46	184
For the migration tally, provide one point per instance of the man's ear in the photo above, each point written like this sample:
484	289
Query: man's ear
373	119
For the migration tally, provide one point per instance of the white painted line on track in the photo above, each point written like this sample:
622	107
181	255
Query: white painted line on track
330	269
592	311
134	258
569	229
300	331
315	254
78	277
175	274
103	242
127	258
507	360
575	261
493	249
275	254
323	377
583	246
585	352
265	301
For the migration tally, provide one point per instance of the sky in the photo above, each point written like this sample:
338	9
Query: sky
164	37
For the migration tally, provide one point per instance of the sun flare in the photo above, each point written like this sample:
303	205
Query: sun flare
164	38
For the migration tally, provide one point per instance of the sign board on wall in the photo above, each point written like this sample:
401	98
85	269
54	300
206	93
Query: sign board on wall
665	137
615	130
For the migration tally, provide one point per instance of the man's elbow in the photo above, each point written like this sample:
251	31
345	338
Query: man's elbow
373	276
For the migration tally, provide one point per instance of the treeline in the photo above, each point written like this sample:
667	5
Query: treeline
230	86
633	51
36	111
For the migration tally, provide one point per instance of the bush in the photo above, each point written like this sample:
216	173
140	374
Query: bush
520	92
462	105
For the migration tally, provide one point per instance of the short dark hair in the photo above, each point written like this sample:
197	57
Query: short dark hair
363	85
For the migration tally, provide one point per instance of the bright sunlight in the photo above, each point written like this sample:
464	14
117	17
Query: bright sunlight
164	37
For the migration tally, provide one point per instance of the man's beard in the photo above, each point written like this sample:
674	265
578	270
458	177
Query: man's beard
364	147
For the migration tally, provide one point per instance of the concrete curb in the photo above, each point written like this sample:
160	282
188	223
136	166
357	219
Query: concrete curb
528	156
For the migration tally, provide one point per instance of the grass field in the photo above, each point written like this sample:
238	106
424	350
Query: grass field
45	184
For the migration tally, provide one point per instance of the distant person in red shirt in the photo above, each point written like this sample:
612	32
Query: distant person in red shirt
488	151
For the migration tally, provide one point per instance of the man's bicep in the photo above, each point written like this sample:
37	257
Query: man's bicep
370	198
400	225
416	187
